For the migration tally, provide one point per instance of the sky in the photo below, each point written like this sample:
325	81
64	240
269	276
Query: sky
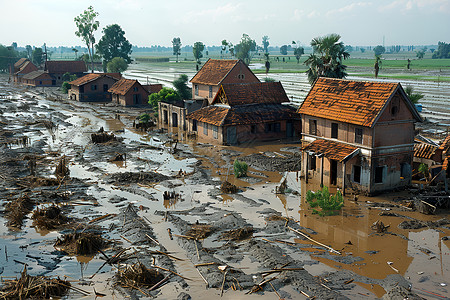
150	22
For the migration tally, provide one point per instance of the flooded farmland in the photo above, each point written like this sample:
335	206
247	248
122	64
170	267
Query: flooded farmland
141	203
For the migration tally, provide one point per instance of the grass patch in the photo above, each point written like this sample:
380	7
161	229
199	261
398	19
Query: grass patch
328	203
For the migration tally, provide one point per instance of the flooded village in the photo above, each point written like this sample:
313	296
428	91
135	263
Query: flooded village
240	182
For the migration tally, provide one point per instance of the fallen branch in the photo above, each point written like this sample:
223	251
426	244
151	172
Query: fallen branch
101	218
152	239
175	273
312	240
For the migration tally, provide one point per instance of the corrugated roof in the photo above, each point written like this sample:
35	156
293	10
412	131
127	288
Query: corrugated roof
63	66
251	93
330	149
423	150
94	76
356	102
244	115
214	71
20	62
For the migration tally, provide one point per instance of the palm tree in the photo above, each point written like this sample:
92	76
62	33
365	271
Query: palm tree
327	58
414	97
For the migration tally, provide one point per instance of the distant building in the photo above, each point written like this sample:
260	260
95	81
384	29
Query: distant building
37	78
215	72
246	112
129	92
57	68
93	87
23	68
358	135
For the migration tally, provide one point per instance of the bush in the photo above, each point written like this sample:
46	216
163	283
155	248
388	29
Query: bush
144	118
65	87
328	203
240	169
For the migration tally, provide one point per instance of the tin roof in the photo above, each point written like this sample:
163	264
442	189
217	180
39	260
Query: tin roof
330	149
355	102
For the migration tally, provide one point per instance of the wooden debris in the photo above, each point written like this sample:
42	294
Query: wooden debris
199	231
379	227
102	137
228	188
61	169
17	209
49	218
312	240
101	218
138	275
80	243
237	234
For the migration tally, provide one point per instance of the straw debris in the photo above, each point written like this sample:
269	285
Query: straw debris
199	231
138	275
17	209
50	217
228	188
237	234
33	287
80	243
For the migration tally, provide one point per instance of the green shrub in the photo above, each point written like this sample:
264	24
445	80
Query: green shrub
323	199
65	87
240	169
144	118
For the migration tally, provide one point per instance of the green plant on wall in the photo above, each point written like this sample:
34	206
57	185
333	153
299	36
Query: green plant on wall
423	168
240	169
328	203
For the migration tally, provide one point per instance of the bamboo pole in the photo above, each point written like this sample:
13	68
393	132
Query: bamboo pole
312	240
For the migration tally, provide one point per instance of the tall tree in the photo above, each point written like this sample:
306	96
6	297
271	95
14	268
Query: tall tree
379	50
176	45
180	84
8	57
117	65
265	42
38	56
29	50
114	44
197	51
283	49
298	52
224	47
327	58
87	25
443	50
76	52
245	48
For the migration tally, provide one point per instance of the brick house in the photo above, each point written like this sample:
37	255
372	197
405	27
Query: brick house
37	78
358	135
129	92
23	68
246	112
57	68
174	114
93	87
215	72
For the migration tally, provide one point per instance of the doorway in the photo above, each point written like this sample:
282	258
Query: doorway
333	171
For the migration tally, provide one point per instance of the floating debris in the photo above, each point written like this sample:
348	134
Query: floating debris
62	169
102	137
50	217
80	243
138	275
237	234
199	231
17	209
228	188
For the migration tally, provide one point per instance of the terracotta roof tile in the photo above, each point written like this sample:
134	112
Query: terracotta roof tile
445	146
122	86
423	150
20	62
153	88
356	102
63	66
93	76
330	149
244	115
214	71
36	74
251	93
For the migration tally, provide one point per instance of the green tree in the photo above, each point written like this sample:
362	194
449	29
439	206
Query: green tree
420	54
176	45
362	50
114	44
298	52
327	58
87	25
29	50
197	51
164	95
244	49
283	49
443	50
182	88
414	97
65	87
117	65
379	50
265	43
8	57
37	57
76	53
224	47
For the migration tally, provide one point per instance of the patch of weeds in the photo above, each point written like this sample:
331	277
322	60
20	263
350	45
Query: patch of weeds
240	169
329	204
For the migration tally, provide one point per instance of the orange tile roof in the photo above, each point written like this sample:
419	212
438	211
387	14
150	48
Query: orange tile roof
445	146
244	115
20	62
330	149
93	76
214	71
251	93
423	150
356	102
63	66
122	86
153	88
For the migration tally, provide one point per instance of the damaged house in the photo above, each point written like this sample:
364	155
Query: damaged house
215	72
246	112
358	135
129	92
93	87
21	68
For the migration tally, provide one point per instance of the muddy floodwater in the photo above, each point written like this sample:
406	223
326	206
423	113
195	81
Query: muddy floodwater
151	201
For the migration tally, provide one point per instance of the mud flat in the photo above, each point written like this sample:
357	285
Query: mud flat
167	230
